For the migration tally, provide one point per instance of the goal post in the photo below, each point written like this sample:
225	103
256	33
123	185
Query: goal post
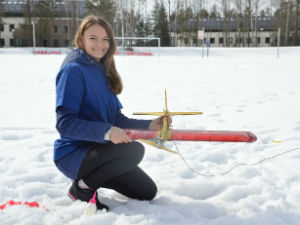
129	44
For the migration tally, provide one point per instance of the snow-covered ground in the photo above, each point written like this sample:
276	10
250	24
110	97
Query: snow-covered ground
237	89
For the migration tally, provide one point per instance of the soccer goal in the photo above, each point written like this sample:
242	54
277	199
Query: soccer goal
137	45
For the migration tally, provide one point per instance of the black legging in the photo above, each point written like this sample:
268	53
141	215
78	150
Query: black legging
115	167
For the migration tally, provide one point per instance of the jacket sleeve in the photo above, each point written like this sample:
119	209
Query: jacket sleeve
125	123
69	125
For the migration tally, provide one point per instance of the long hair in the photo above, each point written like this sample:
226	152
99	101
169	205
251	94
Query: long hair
108	61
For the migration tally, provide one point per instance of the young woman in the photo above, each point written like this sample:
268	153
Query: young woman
94	150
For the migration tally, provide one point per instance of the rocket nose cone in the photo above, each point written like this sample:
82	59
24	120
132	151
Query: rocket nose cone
252	137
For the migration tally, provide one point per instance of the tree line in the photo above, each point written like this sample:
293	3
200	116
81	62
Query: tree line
134	18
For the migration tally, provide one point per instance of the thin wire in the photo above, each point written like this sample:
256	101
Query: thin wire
234	167
56	215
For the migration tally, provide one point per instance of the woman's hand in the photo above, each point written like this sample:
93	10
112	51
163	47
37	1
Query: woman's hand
158	123
118	136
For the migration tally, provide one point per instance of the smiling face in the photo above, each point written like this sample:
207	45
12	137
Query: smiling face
96	37
96	41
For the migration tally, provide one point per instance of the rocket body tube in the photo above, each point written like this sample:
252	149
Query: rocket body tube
196	135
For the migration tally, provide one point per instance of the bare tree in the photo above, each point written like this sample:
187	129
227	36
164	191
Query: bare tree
255	22
225	6
27	30
169	16
287	25
132	13
248	20
238	15
296	37
1	13
74	16
176	12
197	6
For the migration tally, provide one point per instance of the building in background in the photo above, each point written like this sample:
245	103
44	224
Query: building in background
216	32
55	22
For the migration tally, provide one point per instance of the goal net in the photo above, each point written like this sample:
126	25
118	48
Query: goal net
137	45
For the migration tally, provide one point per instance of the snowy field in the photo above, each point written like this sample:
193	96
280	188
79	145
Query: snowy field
236	89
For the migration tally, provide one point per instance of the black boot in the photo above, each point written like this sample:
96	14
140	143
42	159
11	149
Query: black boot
84	194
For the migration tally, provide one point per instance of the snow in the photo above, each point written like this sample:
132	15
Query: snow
237	89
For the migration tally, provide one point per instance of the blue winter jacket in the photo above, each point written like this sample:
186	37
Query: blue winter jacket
86	109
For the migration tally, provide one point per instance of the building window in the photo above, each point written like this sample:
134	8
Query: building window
11	27
12	42
56	43
55	28
65	29
1	27
258	40
268	40
212	40
2	42
45	43
66	43
221	40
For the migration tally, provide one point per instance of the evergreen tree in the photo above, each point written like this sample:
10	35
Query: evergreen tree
104	8
141	29
161	25
140	26
147	25
203	14
214	12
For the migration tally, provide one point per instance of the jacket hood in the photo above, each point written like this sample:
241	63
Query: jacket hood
80	56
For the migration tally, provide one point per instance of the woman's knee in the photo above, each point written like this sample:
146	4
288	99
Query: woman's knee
135	151
152	193
149	193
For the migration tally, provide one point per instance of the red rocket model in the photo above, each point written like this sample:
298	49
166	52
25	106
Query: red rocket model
195	135
157	138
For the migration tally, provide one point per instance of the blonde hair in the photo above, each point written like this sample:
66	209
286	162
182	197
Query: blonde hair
115	81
